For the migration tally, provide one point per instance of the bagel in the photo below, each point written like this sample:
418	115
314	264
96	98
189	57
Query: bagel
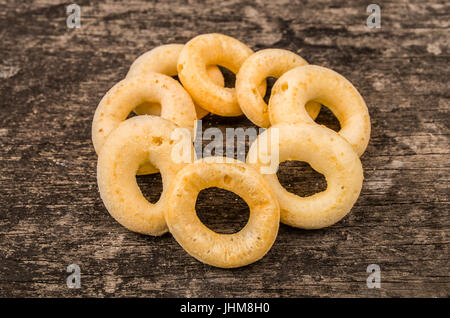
222	250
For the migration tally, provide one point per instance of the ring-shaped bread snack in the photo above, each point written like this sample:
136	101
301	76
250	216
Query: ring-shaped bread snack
328	154
302	84
163	59
259	66
222	250
212	49
135	141
122	98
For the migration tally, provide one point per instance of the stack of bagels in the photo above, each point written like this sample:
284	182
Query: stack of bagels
147	143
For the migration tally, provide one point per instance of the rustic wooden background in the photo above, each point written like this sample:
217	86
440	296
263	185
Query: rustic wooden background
52	77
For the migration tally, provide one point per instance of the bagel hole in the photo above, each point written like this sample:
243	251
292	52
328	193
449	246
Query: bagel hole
151	186
328	119
299	178
228	76
155	109
131	115
270	82
222	211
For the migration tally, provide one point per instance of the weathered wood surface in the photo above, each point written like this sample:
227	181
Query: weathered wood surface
52	77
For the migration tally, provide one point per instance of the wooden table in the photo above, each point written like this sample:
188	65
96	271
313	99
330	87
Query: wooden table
52	78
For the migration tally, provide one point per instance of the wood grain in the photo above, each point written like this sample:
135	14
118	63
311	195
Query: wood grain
52	77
